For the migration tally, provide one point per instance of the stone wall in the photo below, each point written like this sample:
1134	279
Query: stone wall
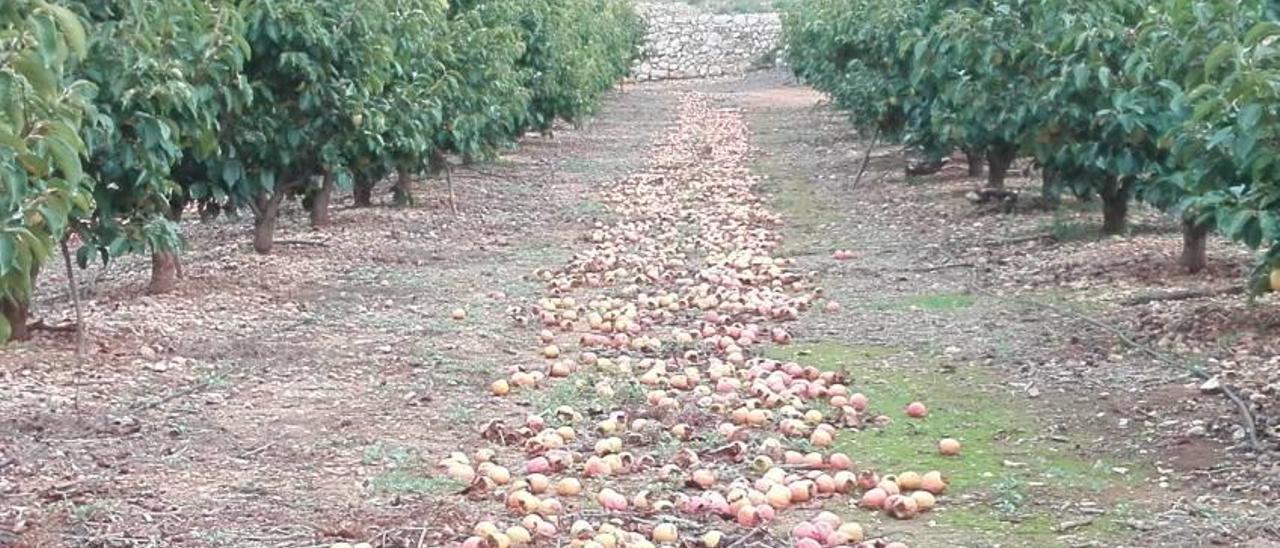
683	42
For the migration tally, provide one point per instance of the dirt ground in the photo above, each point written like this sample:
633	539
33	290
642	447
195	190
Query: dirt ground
304	398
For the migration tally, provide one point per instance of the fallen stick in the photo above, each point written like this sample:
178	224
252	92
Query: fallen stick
1250	422
448	181
39	325
1069	525
746	537
1182	295
866	158
302	242
75	299
1022	239
939	267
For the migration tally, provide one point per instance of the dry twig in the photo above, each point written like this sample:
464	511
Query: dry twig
1182	295
866	158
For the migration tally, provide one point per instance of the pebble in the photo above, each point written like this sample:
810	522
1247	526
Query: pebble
1211	386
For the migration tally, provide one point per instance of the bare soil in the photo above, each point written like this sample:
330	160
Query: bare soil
303	398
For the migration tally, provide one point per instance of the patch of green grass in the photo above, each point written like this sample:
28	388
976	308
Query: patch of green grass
805	208
832	356
401	476
579	392
600	167
1006	463
403	481
979	520
1066	229
591	208
215	537
460	412
941	301
93	511
933	301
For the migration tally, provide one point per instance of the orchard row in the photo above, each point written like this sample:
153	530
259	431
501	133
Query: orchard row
1175	103
117	115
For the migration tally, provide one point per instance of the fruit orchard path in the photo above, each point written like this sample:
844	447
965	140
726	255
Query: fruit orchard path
305	397
1064	425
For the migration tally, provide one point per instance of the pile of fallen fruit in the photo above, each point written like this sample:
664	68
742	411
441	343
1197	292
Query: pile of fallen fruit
703	441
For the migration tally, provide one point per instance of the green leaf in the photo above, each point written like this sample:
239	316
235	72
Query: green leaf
8	252
1248	117
66	158
1260	31
5	330
72	30
1081	74
37	73
1217	57
1244	144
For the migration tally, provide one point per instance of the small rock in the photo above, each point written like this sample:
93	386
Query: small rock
1238	433
1211	386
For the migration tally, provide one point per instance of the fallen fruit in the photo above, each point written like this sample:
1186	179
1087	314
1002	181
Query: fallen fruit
519	535
500	387
901	507
712	539
949	447
840	461
916	410
933	483
704	479
803	529
568	487
874	498
909	481
538	483
852	531
665	532
924	499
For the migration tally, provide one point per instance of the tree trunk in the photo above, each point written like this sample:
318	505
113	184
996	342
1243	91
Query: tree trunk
16	314
1049	188
1115	205
404	188
999	158
439	163
363	193
320	203
1194	237
177	205
164	271
975	162
266	212
209	212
